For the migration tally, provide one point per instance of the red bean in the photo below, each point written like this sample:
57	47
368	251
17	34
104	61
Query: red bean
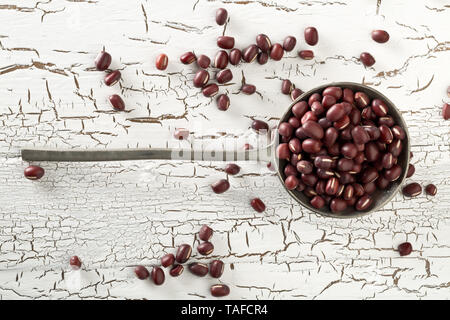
311	36
188	58
382	183
260	126
345	164
369	175
291	182
332	186
183	253
289	43
248	89
263	42
103	61
379	107
294	122
299	109
221	59
216	268
314	97
338	205
181	134
386	135
249	54
205	233
221	16
367	59
363	203
116	102
328	101
225	42
205	248
33	172
405	249
141	272
380	36
262	58
199	269
313	130
162	61
336	112
220	186
75	262
318	109
287	87
283	151
220	290
412	189
311	145
232	169
336	92
296	93
223	102
393	173
176	270
201	78
317	202
348	95
235	57
431	190
323	162
398	132
309	179
204	61
167	260
258	205
361	99
295	145
306	54
349	150
343	123
112	78
276	52
446	111
290	170
371	152
210	90
158	276
224	76
387	160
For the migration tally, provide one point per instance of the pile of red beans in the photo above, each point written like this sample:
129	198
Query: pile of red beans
339	147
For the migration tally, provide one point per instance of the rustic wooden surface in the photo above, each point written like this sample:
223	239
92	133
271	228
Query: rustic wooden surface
116	215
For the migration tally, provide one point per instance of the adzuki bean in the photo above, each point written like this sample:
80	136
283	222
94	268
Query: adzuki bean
232	169
116	102
162	62
289	43
141	272
431	190
263	42
210	90
205	248
201	78
221	60
220	290
249	54
225	42
221	16
405	249
311	36
167	260
199	269
235	57
33	172
380	36
367	59
75	262
205	233
216	268
112	78
188	58
262	58
203	61
258	205
183	253
220	186
103	61
176	270
223	102
248	89
306	54
158	276
412	189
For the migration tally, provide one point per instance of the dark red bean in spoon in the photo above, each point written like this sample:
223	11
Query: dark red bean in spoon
361	100
235	57
158	276
328	101
221	16
367	59
210	90
291	182
343	123
75	262
295	145
289	43
387	160
405	249
349	150
311	145
382	183
345	164
304	166
220	290
372	152
311	36
204	61
112	78
162	62
380	36
313	130
396	147
205	233
318	110
306	54
349	192
294	122
260	126
379	107
33	172
348	95
205	248
369	175
336	92
386	135
283	151
263	42
276	52
221	59
183	253
336	112
393	173
431	189
224	76
141	272
258	205
320	187
323	162
225	42
300	108
198	269
364	203
373	132
338	205
249	54
332	186
188	58
370	187
176	270
248	89
309	179
220	186
398	132
314	97
412	189
167	260
317	202
331	135
201	78
223	102
103	61
359	135
290	170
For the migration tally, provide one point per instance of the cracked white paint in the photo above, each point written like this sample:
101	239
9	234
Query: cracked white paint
114	215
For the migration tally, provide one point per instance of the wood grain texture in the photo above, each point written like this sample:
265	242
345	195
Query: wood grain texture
116	215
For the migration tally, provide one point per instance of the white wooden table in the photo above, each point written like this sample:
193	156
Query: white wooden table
118	214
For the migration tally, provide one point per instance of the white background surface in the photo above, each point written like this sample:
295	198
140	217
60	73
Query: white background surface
116	215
